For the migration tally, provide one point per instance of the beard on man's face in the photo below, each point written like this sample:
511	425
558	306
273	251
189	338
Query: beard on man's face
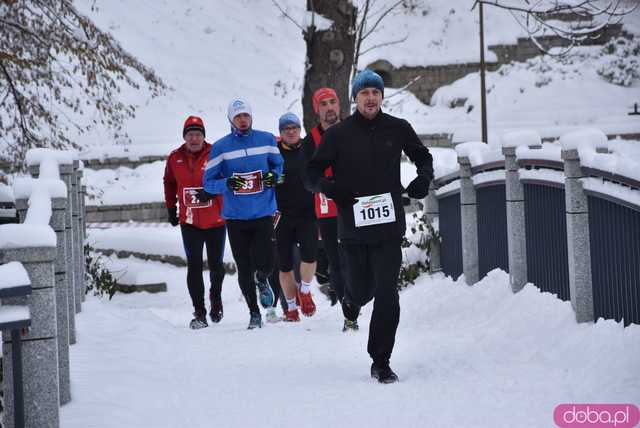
330	117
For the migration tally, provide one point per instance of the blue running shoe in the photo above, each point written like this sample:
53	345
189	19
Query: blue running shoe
266	294
255	321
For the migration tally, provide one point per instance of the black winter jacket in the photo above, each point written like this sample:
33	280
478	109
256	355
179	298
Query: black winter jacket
365	157
292	197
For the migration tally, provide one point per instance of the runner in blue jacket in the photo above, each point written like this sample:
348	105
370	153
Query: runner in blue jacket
244	166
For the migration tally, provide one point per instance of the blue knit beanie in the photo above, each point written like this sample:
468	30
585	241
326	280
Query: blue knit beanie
288	119
366	79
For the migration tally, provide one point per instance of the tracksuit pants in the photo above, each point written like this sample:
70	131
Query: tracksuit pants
252	248
372	273
194	240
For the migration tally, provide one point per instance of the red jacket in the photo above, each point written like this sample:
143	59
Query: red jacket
325	207
182	178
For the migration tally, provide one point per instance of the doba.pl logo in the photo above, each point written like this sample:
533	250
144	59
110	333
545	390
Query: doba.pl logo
596	415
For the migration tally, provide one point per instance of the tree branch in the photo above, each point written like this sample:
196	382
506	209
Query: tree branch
286	15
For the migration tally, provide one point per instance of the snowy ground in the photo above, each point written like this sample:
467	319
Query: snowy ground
466	356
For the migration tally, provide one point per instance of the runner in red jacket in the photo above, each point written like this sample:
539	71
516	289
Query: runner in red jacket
200	220
327	106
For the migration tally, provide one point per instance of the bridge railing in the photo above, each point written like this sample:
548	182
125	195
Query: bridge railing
564	216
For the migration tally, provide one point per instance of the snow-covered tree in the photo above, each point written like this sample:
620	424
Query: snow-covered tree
572	20
56	67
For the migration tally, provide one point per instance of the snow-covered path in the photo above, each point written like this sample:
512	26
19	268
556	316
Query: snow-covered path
466	356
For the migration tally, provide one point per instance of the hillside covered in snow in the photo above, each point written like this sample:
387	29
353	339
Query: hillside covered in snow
211	52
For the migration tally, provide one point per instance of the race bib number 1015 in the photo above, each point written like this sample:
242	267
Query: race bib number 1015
375	209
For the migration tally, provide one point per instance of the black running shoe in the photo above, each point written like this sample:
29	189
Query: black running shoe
383	373
199	320
350	325
255	321
216	312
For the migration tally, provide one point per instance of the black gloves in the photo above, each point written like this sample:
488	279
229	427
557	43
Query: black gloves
235	182
419	187
271	179
172	214
340	195
203	195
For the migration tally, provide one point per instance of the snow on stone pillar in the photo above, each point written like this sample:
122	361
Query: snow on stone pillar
35	247
65	175
516	231
432	213
469	222
578	243
75	225
82	231
65	168
57	223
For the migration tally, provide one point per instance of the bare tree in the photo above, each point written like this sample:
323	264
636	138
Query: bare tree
589	17
56	65
368	22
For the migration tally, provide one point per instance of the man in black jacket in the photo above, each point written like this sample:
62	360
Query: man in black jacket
364	153
297	223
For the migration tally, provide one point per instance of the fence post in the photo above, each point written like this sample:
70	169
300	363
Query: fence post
578	245
432	212
469	223
57	223
39	344
79	228
75	225
516	232
65	171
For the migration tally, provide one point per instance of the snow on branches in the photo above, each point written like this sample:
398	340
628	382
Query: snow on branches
56	67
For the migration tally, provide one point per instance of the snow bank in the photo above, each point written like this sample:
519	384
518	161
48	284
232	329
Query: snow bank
489	176
623	193
479	153
26	235
133	152
525	137
450	187
6	193
161	241
11	313
584	139
506	359
13	274
612	162
548	151
24	187
125	185
445	161
542	174
63	157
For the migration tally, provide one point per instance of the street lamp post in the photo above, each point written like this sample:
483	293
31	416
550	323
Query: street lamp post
483	91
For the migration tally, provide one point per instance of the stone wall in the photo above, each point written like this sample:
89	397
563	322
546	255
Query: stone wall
433	77
149	212
114	163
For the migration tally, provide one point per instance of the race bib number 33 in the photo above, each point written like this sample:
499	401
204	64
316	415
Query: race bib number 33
252	182
375	209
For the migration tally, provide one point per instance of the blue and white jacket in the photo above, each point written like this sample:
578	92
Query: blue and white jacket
234	154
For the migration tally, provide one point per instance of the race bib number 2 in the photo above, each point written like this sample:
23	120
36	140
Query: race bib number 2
252	182
191	200
375	209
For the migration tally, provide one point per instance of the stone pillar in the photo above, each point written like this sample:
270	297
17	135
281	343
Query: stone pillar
39	344
469	222
516	233
578	244
75	247
80	243
65	175
432	212
57	223
83	236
